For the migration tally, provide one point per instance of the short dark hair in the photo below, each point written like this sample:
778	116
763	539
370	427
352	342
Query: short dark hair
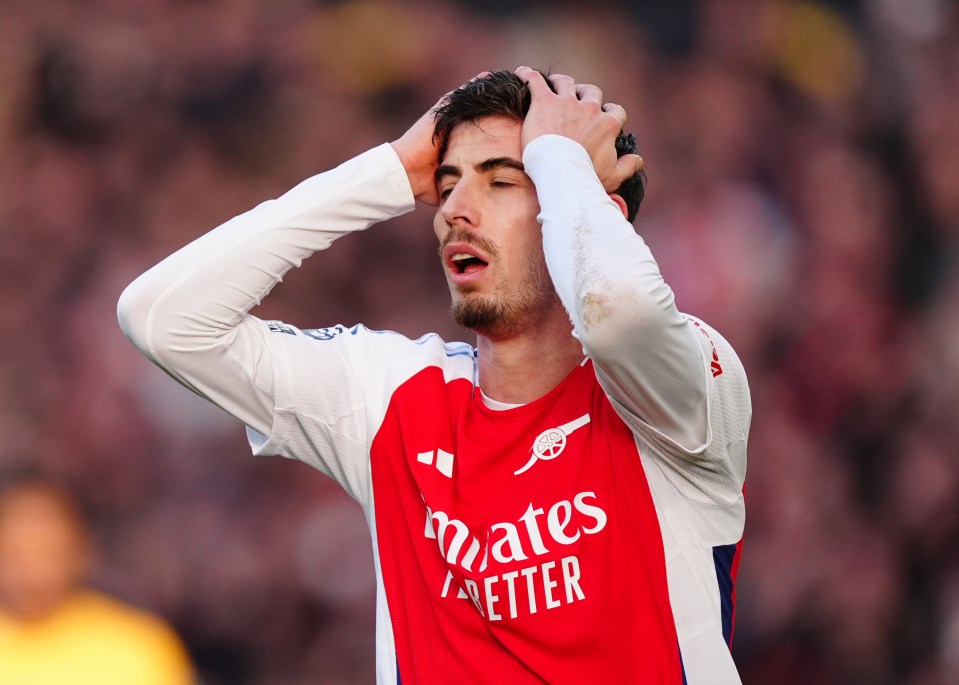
503	93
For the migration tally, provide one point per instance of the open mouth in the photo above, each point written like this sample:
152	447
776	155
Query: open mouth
465	263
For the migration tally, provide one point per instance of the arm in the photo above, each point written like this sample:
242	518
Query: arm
189	313
303	395
646	354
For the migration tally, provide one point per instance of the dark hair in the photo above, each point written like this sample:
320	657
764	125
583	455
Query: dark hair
503	93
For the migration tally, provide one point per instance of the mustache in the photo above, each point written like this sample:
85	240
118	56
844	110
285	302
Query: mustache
464	235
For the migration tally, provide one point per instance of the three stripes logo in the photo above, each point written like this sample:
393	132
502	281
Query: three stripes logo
442	459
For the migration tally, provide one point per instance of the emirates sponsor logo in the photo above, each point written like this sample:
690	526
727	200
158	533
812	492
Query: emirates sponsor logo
534	533
539	531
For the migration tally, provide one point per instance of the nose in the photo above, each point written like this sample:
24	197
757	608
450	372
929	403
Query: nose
462	205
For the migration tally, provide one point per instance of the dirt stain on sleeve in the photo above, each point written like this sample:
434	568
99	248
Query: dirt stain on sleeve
594	305
594	309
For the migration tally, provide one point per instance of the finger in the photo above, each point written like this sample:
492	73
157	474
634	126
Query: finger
587	92
482	74
444	99
537	84
627	166
563	84
616	111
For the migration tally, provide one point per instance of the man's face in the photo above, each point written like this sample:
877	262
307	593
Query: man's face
43	551
490	242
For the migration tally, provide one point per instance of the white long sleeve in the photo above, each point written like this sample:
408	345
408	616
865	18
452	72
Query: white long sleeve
188	313
646	353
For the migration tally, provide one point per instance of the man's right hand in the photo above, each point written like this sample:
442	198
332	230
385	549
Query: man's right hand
420	156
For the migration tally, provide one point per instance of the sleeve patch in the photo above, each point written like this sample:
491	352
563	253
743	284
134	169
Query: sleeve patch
325	333
280	327
714	364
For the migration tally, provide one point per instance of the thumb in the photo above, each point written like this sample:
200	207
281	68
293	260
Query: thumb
626	166
629	165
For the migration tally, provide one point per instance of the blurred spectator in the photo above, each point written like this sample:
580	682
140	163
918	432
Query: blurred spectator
53	629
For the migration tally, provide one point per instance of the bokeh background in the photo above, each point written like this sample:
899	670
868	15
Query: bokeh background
803	162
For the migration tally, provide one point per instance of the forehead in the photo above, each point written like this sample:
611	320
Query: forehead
474	141
37	503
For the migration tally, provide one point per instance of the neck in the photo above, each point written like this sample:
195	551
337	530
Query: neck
525	366
31	608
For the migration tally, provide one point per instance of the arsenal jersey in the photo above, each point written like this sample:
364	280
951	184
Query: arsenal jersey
552	542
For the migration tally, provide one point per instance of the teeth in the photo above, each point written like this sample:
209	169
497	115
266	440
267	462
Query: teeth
462	255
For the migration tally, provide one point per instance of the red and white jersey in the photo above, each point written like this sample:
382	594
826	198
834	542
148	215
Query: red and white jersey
590	536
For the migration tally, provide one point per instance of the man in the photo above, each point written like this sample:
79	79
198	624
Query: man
52	629
561	504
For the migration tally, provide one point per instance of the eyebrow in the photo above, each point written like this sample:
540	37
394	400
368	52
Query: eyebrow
483	167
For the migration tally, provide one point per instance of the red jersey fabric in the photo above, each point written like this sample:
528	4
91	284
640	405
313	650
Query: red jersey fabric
561	564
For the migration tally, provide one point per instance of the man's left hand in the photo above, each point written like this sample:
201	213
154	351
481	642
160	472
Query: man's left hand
576	111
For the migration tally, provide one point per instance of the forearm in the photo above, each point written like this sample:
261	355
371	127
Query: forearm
187	313
622	310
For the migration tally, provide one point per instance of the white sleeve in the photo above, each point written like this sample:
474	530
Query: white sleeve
646	353
332	388
189	313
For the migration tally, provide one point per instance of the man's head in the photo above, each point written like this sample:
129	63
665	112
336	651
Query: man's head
503	93
490	240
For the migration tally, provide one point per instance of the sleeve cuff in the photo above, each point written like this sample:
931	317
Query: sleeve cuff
542	153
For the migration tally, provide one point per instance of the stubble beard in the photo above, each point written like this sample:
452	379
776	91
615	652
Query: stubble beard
506	311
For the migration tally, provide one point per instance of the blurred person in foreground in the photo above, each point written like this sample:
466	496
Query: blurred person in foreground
53	629
561	503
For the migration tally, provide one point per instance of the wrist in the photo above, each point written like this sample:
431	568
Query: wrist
419	173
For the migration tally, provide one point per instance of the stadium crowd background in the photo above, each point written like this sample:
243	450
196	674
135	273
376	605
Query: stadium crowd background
803	198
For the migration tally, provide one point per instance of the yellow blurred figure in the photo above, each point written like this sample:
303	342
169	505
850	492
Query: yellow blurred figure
55	631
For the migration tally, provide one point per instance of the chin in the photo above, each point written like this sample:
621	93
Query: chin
488	316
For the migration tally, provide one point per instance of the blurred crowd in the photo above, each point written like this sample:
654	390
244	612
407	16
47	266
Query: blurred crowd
803	164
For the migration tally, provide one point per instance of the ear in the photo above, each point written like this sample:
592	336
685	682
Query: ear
621	203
